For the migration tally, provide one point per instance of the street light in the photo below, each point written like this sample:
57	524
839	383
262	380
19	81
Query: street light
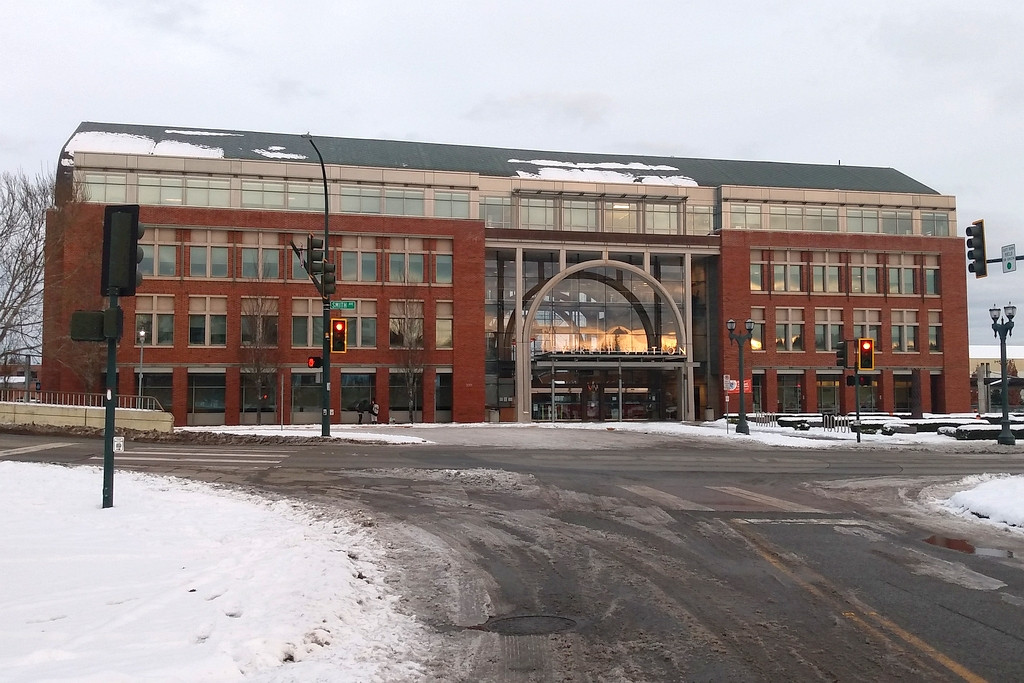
142	346
1002	328
741	341
325	393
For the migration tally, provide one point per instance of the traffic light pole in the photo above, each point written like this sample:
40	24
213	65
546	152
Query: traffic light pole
109	412
856	395
325	400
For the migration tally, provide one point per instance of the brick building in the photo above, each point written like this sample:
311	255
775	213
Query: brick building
544	285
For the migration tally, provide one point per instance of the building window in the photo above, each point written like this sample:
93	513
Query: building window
406	262
259	322
620	216
861	220
496	212
786	275
745	216
159	253
935	224
208	253
443	269
828	328
357	390
757	314
443	325
813	218
863	274
155	315
207	321
261	257
358	259
307	323
451	204
867	322
789	329
579	215
931	275
105	188
901	274
405	324
825	272
208	192
897	222
443	390
361	199
537	214
661	219
700	220
403	202
758	276
935	331
904	331
161	190
206	393
359	266
306	196
263	194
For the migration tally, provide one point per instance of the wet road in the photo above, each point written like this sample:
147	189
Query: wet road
659	561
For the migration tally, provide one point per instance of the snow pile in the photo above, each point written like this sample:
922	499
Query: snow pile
181	581
996	498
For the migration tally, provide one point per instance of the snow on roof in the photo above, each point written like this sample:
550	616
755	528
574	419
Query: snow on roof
601	172
127	143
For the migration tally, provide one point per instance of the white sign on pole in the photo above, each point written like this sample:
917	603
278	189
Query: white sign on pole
1009	258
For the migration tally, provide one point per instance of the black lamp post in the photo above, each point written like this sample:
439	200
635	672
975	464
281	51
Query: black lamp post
741	341
325	393
1002	328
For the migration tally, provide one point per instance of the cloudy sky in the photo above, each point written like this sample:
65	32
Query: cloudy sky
934	88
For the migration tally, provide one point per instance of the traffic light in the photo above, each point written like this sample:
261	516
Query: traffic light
841	355
976	256
865	353
121	251
315	362
339	335
323	273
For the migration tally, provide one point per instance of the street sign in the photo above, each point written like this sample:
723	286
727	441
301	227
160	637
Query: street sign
1009	258
343	305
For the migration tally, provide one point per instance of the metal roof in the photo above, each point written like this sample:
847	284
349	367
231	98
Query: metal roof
487	161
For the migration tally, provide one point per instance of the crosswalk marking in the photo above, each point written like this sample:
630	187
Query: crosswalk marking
666	500
229	459
32	449
766	500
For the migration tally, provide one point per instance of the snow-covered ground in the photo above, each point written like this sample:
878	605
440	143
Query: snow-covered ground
182	581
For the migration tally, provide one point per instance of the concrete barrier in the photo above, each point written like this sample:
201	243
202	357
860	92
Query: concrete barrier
81	416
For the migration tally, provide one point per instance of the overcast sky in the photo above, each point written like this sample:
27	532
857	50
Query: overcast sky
933	88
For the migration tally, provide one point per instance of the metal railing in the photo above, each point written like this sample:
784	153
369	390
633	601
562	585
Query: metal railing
68	398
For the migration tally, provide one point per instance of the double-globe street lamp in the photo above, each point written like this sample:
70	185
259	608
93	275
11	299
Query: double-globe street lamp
741	341
1002	328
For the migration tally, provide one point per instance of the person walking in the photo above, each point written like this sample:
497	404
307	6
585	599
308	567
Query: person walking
374	411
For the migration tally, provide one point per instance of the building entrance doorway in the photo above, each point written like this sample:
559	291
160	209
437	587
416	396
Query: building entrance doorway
590	389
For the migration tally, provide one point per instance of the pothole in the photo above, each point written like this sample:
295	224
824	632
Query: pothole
527	625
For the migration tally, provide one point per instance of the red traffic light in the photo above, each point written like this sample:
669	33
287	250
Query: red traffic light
339	335
314	362
866	354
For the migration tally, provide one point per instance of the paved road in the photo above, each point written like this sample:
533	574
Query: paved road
655	560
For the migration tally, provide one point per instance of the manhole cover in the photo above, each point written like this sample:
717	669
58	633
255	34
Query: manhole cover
528	625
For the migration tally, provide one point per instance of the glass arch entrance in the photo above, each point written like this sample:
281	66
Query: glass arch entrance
604	341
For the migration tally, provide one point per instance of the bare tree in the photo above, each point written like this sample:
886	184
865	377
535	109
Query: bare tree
24	202
406	333
260	361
